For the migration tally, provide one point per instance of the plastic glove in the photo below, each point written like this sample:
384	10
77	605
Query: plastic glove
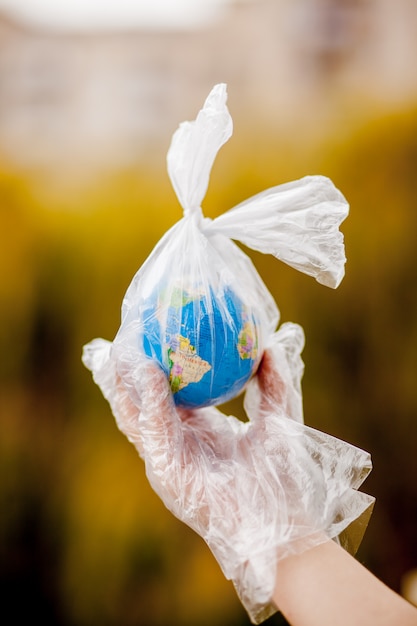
256	491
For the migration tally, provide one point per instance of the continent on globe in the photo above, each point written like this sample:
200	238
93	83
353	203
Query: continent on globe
247	344
207	342
185	365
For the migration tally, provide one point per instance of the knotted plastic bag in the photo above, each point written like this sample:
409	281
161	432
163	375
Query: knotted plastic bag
198	306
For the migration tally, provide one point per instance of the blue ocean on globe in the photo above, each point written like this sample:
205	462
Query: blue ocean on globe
206	343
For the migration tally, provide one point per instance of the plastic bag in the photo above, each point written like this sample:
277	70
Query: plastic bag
198	306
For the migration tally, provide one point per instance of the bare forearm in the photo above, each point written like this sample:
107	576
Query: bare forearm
326	586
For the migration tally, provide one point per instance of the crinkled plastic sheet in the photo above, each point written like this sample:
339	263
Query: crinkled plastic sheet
264	489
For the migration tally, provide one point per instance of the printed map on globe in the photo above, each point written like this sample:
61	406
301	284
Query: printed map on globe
207	344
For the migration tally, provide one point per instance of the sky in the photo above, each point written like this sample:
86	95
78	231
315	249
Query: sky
115	13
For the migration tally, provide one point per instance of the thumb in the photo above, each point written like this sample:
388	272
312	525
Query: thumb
270	383
265	393
276	387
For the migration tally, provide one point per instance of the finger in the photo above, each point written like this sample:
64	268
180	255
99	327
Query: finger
286	347
271	385
149	410
126	414
99	358
174	451
265	393
277	386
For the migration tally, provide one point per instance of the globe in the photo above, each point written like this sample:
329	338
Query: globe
207	343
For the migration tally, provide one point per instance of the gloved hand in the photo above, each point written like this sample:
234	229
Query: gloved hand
256	491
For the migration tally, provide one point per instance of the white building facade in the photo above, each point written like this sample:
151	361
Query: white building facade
108	97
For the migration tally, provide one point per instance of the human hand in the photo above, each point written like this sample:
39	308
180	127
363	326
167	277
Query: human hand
256	491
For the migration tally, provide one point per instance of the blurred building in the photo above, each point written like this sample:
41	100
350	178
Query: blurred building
106	98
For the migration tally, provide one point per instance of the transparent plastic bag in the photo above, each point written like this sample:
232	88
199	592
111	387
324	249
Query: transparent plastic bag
198	306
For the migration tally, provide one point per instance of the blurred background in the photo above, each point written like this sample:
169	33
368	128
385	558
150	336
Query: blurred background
90	94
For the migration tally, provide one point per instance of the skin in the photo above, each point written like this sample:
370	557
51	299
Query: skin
326	586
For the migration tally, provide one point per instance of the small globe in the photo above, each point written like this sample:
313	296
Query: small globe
206	343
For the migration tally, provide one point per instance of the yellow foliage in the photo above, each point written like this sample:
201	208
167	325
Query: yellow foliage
111	552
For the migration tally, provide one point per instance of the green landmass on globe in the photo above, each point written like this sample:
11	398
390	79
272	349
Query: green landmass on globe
185	366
